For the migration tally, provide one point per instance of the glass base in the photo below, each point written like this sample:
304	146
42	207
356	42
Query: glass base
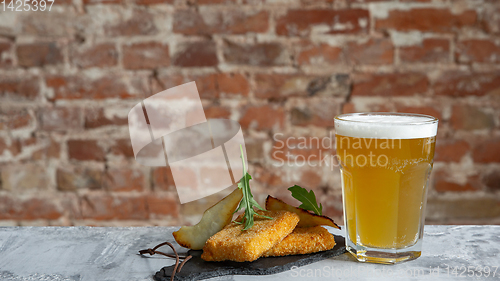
384	256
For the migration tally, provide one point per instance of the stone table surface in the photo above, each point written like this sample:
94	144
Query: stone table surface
109	253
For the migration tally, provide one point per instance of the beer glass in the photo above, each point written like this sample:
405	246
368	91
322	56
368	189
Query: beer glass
385	161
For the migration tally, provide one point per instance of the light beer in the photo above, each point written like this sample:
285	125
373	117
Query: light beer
385	163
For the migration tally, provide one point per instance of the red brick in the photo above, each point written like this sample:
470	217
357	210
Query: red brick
145	55
460	84
451	150
316	2
214	111
99	55
270	176
245	2
140	22
431	50
299	22
95	118
301	150
491	19
56	24
436	20
47	149
162	179
16	119
395	84
348	107
275	86
113	86
28	209
254	149
107	207
311	54
162	82
369	1
478	50
25	177
333	209
234	21
162	205
207	85
29	141
5	48
38	54
60	119
443	182
467	117
214	2
364	104
475	208
215	85
94	2
486	150
122	147
123	179
77	178
193	54
444	186
40	147
258	54
233	83
13	147
153	2
311	179
263	117
316	113
85	150
375	51
22	87
426	110
492	180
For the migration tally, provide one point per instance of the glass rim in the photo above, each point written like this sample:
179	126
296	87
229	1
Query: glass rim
430	119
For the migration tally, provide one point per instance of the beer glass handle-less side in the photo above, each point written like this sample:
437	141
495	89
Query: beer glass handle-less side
385	162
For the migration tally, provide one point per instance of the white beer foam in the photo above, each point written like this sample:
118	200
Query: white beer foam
386	126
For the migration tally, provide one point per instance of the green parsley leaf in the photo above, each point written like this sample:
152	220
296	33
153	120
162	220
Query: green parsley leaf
247	201
308	199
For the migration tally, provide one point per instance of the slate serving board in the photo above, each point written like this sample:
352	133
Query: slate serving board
197	269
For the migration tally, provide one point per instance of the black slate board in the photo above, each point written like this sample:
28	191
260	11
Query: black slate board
197	269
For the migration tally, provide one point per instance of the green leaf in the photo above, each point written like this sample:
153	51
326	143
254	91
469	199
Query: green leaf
247	202
308	199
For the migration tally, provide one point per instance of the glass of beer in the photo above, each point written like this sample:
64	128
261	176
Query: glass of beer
385	161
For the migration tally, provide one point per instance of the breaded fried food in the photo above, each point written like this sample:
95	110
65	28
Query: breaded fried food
231	243
303	240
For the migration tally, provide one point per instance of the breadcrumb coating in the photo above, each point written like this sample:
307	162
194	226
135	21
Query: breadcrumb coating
231	243
304	240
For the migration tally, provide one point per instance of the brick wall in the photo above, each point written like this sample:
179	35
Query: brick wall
283	69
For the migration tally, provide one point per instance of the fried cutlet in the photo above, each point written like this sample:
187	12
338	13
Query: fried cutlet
231	243
305	240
